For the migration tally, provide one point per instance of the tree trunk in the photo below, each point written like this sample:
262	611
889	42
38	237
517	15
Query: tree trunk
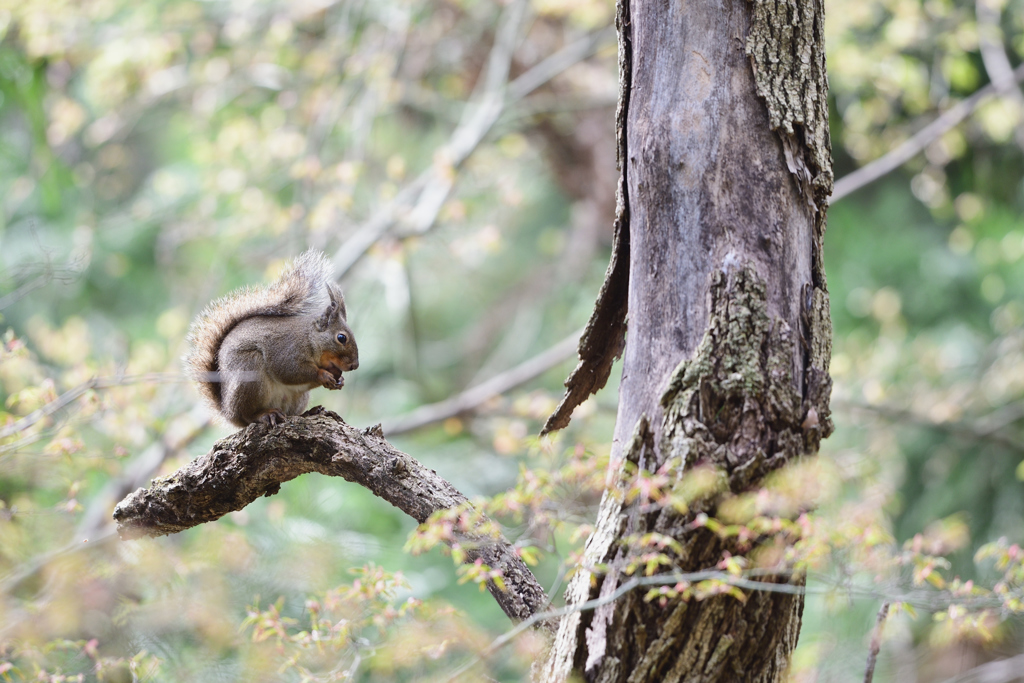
726	167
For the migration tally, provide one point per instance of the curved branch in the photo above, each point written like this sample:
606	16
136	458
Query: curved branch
475	396
916	143
255	462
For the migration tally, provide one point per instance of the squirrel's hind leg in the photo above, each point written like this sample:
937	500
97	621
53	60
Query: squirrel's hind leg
244	395
296	403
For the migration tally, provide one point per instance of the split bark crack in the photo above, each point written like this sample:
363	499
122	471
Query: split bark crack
255	461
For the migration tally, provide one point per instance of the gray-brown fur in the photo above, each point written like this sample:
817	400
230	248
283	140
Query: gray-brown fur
257	352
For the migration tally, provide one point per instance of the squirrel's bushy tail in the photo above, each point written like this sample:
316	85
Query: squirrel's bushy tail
302	289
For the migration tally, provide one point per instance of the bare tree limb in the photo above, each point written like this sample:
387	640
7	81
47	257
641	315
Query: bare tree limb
474	397
72	395
626	587
551	66
916	143
994	57
993	54
178	436
420	202
876	642
993	672
989	428
1000	671
255	462
433	185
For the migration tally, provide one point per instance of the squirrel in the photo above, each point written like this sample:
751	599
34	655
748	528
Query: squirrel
258	351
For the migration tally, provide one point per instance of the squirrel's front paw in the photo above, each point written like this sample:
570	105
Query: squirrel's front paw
328	380
272	417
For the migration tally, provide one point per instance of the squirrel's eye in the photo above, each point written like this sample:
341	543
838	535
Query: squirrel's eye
342	339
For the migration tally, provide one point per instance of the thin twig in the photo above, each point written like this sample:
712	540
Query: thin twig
747	581
474	397
74	394
48	272
876	642
917	142
970	430
658	580
25	288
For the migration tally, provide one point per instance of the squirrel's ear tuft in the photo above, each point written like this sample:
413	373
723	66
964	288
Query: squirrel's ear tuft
334	292
328	317
335	307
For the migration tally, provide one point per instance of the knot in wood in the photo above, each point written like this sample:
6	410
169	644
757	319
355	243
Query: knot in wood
342	457
398	467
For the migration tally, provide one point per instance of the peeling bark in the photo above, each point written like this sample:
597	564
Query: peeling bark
786	46
605	335
255	462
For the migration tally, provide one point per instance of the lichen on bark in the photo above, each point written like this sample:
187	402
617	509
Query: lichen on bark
735	405
786	47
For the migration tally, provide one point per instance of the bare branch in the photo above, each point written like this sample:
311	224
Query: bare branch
916	143
431	188
987	428
626	587
993	54
760	580
994	57
474	397
74	394
255	462
876	642
1000	671
548	68
177	436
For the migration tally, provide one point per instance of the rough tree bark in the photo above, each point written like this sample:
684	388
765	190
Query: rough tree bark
726	171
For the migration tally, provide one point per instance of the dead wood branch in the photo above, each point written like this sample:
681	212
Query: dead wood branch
472	398
255	462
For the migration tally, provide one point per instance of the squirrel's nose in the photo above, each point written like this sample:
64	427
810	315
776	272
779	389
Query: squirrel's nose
354	365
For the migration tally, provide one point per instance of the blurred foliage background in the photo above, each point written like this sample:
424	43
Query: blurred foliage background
456	159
